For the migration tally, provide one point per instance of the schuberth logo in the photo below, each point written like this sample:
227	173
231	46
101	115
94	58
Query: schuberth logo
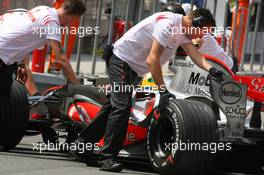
230	93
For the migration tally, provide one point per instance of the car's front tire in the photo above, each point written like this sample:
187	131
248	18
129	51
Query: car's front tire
183	122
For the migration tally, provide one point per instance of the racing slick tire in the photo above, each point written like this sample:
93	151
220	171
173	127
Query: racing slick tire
173	131
14	117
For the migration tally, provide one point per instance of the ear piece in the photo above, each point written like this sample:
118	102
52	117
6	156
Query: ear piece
197	21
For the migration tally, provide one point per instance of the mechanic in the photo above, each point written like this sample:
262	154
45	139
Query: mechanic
144	48
30	84
21	32
208	44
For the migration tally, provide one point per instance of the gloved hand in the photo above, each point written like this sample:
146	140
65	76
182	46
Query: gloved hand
164	99
217	74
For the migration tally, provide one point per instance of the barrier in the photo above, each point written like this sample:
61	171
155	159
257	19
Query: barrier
98	22
252	46
79	46
245	44
38	60
239	28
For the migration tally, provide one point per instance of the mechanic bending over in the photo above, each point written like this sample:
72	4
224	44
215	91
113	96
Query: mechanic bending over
144	48
22	32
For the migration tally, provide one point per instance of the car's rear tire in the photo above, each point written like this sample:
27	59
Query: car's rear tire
183	122
14	115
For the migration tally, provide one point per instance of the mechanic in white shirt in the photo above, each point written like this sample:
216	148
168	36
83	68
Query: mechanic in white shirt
144	48
22	31
209	46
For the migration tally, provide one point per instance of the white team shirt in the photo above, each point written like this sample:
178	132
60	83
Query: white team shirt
134	46
211	47
20	32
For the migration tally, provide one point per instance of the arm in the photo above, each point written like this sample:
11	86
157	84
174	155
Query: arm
196	56
153	62
30	84
62	59
22	71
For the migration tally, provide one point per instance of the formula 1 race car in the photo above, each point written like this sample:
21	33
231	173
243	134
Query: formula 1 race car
206	117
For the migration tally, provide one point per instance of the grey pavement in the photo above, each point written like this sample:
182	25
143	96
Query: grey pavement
24	161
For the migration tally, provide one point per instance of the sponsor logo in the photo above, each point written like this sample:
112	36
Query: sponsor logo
188	90
131	137
201	92
230	93
178	63
198	79
235	110
258	84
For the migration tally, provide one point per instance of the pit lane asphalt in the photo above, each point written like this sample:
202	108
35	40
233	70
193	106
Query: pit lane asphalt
24	161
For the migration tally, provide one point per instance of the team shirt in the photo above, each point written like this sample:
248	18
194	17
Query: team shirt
22	32
135	45
211	47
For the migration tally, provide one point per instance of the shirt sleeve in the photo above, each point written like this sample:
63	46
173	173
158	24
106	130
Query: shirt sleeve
186	40
53	31
163	32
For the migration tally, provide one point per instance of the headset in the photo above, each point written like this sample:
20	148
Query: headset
198	21
174	9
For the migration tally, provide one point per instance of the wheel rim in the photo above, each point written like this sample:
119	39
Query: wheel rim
165	137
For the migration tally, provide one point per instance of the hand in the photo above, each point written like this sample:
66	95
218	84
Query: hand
217	74
164	99
36	94
22	74
198	42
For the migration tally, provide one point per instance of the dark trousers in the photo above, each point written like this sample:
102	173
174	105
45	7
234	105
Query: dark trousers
6	81
112	120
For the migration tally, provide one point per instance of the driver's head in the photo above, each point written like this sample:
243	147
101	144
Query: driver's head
70	11
202	23
174	8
